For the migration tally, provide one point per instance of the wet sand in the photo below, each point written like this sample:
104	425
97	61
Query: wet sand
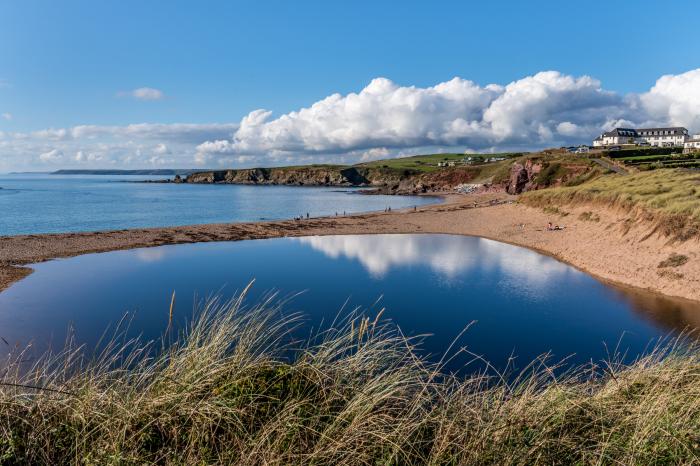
612	248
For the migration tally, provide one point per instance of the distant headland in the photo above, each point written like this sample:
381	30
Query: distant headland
146	171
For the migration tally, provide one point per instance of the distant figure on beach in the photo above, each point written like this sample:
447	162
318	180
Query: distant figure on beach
343	213
389	209
415	208
551	227
336	214
307	215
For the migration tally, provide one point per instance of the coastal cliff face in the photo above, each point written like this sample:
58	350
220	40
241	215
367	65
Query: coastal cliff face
518	176
522	177
533	174
301	176
383	180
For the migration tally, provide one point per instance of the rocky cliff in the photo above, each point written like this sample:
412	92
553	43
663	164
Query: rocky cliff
536	173
299	176
382	179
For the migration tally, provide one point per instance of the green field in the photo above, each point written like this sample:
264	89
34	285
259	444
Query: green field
654	157
429	162
662	161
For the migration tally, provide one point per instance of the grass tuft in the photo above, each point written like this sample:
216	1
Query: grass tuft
589	216
234	388
674	260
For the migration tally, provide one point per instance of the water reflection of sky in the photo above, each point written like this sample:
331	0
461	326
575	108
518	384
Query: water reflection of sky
521	270
523	303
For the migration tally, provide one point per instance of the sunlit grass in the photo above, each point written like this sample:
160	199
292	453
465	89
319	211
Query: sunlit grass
672	196
236	389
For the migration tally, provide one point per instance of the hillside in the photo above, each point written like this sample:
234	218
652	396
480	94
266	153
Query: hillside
408	175
668	199
432	173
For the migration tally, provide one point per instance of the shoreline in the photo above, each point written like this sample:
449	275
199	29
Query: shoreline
607	249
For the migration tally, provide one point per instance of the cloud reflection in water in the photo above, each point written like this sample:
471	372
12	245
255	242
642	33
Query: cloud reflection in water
447	255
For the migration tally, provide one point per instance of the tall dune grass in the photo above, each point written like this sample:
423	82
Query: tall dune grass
668	198
234	388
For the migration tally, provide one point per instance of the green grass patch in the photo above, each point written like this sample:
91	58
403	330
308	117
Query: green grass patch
671	197
589	217
555	211
639	152
429	162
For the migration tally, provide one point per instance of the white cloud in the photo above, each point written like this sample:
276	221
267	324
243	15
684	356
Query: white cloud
675	100
94	146
161	149
6	116
382	120
543	110
144	93
54	155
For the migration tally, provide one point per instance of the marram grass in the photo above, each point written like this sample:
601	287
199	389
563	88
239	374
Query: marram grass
669	198
234	388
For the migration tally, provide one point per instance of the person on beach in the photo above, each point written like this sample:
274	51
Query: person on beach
551	227
307	215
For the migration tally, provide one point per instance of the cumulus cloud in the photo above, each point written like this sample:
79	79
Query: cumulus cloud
675	99
161	149
383	119
144	93
53	155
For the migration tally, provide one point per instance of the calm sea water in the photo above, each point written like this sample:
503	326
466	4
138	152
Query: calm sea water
55	203
520	303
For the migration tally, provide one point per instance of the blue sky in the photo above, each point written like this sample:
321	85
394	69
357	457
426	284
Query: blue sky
70	63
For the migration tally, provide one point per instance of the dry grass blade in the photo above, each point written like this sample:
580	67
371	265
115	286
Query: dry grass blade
235	388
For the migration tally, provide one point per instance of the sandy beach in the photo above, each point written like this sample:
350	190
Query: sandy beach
610	248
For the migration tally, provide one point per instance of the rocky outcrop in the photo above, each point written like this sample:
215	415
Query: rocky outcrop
532	174
522	176
304	176
383	180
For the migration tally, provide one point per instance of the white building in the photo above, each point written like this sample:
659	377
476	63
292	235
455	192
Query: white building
692	144
616	137
664	137
659	137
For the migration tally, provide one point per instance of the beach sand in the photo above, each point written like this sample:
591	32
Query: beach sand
613	248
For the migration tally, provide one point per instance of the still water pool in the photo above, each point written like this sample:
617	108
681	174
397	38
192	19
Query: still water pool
520	303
